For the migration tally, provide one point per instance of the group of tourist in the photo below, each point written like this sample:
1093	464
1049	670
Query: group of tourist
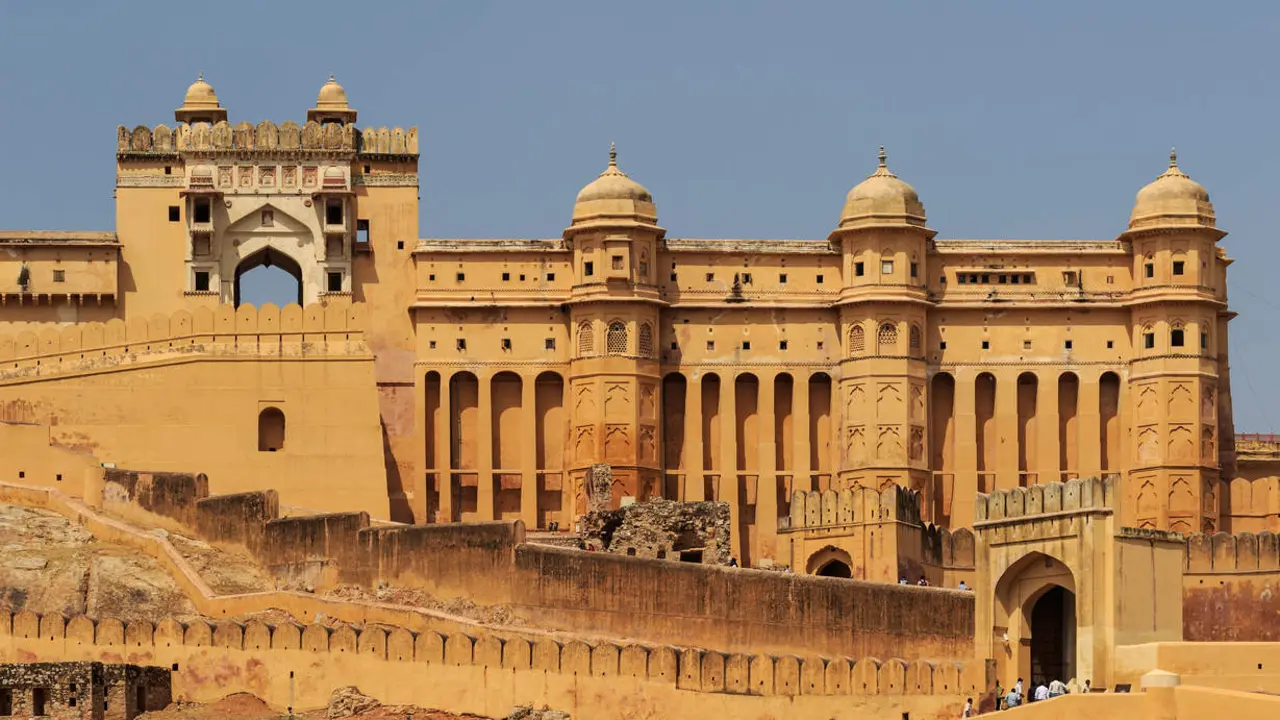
924	582
1015	696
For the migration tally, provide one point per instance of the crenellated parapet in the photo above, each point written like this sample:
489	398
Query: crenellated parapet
53	637
1045	499
1240	553
851	506
266	136
292	331
1253	505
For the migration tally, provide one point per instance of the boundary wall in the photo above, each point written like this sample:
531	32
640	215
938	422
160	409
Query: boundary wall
487	674
1231	587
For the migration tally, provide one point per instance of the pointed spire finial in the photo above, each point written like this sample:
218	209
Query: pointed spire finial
882	157
331	78
200	76
613	154
1173	157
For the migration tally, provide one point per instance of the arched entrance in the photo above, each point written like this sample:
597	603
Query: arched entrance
835	568
830	561
1053	636
272	277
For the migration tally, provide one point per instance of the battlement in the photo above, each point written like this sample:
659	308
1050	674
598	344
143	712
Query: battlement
1224	553
318	329
144	142
1072	496
1254	505
854	506
53	637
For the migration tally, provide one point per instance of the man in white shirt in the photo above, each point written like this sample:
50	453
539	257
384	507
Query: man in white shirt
1057	689
1042	692
968	708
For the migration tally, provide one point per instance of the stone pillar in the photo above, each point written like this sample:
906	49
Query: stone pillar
766	515
694	485
444	451
484	449
421	505
966	450
1089	427
729	460
529	452
1006	423
801	477
1048	467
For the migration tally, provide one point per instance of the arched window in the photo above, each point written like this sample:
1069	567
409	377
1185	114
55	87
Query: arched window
915	338
270	430
857	340
1177	336
586	339
646	340
887	339
616	342
644	266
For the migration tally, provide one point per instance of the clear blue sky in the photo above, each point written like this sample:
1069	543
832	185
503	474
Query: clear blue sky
745	119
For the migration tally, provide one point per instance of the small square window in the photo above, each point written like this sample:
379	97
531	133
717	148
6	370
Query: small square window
673	277
1002	280
335	282
521	277
1111	344
711	276
675	345
431	277
821	344
973	278
616	262
782	278
551	277
1028	279
1069	278
1179	267
1148	340
1177	338
175	214
915	270
399	244
1066	345
986	344
362	232
1013	279
1149	270
1026	344
986	279
549	343
711	345
782	344
746	344
588	268
506	343
746	278
819	279
859	269
1204	341
462	343
506	276
431	344
462	276
366	169
202	281
1111	279
942	345
168	169
886	267
59	276
960	278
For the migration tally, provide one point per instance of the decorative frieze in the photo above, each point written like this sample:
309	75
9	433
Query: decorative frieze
150	181
386	180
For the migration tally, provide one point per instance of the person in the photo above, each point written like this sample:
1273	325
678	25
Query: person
902	579
1018	687
1057	688
1087	687
922	582
999	694
963	586
733	562
1042	692
1013	699
968	708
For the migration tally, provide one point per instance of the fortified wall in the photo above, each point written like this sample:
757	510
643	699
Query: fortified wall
269	397
266	136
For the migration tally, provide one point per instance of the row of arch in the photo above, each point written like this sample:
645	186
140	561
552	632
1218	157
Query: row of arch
1035	429
617	339
886	339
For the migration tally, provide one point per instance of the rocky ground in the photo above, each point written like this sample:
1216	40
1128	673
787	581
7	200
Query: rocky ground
346	702
49	564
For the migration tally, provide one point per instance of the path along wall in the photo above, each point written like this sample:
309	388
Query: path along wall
488	675
281	398
1231	587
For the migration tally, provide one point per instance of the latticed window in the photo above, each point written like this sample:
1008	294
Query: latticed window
586	339
857	340
646	340
888	337
616	342
915	337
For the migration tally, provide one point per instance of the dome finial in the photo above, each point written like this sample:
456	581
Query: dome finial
882	157
1173	157
331	78
200	76
613	154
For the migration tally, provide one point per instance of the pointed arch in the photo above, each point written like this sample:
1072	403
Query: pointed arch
268	257
887	337
646	340
915	341
586	339
616	341
857	340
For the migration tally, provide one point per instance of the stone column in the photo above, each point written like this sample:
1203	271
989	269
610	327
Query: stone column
421	505
767	480
529	452
444	450
1089	427
484	449
800	468
694	484
965	446
1006	439
729	460
1049	465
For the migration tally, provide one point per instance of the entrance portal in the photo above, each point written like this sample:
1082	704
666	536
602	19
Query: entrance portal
266	282
1053	636
835	568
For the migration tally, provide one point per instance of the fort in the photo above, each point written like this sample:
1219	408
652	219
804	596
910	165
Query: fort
868	475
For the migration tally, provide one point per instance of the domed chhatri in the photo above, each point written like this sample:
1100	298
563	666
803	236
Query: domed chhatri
1172	199
882	199
200	104
331	104
614	196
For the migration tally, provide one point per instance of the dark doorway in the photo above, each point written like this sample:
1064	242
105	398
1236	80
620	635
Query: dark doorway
1053	637
835	568
38	697
140	699
268	275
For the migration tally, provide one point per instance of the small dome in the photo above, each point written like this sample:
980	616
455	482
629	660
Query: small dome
1172	199
882	198
614	194
332	95
200	104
